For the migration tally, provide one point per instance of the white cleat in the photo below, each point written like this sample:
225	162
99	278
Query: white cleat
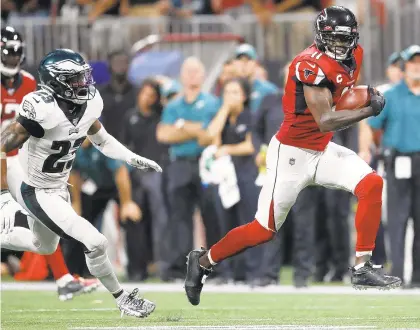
133	305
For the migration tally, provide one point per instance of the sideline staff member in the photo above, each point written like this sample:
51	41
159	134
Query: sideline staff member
400	122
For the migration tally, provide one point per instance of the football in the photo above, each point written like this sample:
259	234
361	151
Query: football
355	98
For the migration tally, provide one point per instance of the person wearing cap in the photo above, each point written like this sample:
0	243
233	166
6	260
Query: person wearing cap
400	121
393	72
369	143
246	66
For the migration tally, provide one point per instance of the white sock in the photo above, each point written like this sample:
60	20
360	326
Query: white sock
64	280
357	267
363	253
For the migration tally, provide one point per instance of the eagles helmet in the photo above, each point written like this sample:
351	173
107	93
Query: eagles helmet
337	32
12	51
66	74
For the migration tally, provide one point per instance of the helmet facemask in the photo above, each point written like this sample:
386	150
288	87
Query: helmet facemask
12	56
338	45
76	85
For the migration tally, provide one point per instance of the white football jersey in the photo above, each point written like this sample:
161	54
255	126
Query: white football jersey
47	160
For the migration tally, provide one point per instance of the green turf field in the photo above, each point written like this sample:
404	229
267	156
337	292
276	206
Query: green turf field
42	310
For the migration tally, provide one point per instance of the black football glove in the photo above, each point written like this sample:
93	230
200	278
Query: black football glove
377	101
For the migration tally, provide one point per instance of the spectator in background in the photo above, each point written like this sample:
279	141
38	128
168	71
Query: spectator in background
372	153
301	32
144	8
183	120
246	66
119	95
400	122
267	121
230	131
94	181
393	72
139	134
228	73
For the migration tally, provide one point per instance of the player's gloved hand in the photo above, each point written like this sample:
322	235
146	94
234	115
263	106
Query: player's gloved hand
377	101
144	164
8	208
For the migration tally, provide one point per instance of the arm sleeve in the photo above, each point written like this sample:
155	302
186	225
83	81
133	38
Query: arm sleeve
110	146
33	127
311	74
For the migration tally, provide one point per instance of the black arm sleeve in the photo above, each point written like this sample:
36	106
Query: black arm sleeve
33	127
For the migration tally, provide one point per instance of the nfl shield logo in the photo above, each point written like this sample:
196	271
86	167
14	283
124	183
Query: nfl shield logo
351	73
292	161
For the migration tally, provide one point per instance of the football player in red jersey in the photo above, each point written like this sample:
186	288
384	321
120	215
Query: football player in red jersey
15	84
301	154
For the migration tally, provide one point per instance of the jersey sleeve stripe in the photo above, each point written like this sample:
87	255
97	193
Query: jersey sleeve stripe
297	71
320	75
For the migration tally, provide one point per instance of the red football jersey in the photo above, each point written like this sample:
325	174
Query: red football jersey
314	68
11	97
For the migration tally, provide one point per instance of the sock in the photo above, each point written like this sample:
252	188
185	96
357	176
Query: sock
20	239
368	215
239	239
357	267
64	280
57	264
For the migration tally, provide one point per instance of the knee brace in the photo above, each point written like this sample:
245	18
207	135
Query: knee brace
97	259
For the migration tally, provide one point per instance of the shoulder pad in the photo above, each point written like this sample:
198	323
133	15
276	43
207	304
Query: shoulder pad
97	104
39	106
310	73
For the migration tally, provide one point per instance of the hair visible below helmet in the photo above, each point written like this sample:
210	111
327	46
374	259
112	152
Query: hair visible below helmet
12	51
336	32
65	73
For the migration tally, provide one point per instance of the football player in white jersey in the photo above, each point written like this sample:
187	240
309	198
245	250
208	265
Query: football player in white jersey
52	124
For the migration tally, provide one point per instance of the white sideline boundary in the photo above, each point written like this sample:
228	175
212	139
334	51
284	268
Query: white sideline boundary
210	288
226	327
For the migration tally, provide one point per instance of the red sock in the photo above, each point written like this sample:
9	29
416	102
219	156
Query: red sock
57	264
239	239
368	215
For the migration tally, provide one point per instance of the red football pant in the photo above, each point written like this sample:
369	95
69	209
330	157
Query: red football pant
368	215
240	239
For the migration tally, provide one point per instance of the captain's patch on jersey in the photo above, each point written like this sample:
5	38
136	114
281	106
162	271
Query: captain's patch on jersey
29	110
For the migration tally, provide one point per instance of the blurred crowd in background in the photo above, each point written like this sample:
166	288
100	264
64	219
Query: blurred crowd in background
209	187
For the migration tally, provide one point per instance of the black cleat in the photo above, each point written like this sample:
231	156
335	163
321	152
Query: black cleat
70	290
195	277
372	276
